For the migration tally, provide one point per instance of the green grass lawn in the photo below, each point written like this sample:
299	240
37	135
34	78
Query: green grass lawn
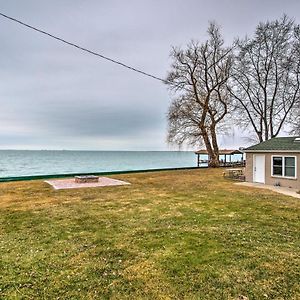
169	235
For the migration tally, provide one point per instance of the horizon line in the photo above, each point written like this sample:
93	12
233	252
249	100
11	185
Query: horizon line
98	150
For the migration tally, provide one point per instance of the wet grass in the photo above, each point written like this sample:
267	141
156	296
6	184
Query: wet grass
169	235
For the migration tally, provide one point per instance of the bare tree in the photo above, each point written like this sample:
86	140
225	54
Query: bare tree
265	82
198	78
296	121
296	114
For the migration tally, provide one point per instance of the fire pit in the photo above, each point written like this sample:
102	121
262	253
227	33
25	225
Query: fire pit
86	179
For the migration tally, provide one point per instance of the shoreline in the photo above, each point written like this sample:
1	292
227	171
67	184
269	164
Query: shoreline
45	176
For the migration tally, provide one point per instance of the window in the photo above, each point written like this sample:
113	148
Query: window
289	167
284	166
277	166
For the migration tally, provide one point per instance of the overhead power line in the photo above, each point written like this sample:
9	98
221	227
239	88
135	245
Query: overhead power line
84	49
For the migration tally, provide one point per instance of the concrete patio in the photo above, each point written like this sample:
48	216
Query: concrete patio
279	189
61	184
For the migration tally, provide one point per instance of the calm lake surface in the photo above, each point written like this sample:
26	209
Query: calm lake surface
23	163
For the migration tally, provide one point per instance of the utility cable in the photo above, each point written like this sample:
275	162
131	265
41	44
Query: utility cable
85	49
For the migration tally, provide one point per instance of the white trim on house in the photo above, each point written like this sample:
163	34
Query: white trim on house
283	167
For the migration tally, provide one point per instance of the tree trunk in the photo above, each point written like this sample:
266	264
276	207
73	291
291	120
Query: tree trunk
214	161
213	156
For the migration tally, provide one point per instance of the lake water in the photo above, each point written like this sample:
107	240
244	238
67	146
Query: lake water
23	163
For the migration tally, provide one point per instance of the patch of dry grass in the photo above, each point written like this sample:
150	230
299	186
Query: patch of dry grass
169	235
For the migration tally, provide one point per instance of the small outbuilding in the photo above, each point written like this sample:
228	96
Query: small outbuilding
274	162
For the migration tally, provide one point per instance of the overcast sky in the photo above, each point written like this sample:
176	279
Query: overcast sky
53	96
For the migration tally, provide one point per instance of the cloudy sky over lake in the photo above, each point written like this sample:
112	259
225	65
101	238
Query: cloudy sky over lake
53	96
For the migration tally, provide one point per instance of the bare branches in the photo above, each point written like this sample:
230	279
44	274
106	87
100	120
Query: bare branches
198	77
257	80
265	84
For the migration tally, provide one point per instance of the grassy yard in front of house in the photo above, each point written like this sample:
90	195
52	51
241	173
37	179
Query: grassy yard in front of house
169	235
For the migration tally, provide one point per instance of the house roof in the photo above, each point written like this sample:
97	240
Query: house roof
221	151
285	144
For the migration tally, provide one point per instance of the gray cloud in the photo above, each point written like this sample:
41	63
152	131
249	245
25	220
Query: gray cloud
54	96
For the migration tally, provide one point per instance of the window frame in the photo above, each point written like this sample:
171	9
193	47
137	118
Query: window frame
283	166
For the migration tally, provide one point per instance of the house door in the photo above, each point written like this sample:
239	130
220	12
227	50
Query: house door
259	168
